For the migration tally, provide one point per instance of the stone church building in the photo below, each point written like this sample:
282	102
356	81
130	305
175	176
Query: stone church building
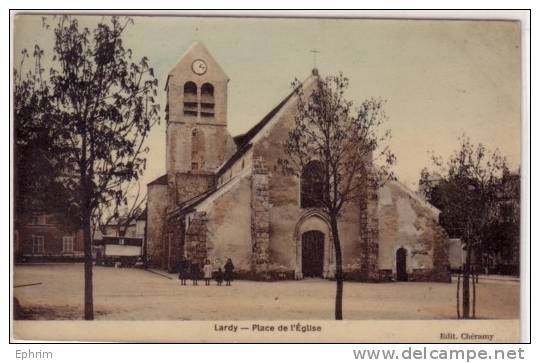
224	197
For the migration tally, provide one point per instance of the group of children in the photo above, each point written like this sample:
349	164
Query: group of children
192	270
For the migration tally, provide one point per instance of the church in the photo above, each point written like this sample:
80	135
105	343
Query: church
225	197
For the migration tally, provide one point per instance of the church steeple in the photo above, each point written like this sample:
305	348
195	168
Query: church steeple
197	133
201	84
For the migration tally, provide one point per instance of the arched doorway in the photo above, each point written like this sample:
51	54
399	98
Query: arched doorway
401	264
312	254
313	226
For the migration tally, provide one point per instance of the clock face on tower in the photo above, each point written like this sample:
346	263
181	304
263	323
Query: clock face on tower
199	67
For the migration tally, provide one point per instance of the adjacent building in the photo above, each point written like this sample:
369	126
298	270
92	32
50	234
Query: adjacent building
47	237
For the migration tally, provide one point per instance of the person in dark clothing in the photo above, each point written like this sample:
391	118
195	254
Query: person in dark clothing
183	271
219	276
229	268
195	273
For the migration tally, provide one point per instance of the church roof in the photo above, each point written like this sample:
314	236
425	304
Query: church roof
239	139
248	136
243	141
416	197
142	216
162	180
188	205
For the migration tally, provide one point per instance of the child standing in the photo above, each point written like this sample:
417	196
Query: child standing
229	268
219	276
195	273
183	267
207	270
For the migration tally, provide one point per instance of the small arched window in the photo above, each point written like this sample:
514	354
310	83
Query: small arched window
190	99
312	185
207	100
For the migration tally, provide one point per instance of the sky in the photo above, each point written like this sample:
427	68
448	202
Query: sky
440	79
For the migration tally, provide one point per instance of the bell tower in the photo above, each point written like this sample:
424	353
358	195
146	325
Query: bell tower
197	137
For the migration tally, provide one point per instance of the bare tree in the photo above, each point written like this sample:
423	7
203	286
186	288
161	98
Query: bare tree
39	146
466	191
345	142
103	107
122	212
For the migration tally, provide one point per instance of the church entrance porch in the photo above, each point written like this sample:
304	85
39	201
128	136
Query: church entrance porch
312	254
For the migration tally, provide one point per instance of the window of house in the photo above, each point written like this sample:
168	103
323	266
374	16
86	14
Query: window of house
506	212
207	100
312	186
190	99
38	219
67	244
38	244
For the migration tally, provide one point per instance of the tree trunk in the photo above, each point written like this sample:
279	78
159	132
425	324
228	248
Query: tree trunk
88	286
339	269
466	280
85	194
474	294
457	294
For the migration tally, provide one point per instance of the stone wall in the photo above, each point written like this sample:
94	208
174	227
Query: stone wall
369	231
441	263
189	185
406	221
260	218
195	240
228	220
218	145
157	203
173	241
286	214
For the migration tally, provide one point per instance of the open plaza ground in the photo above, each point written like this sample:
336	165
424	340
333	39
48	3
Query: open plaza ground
136	294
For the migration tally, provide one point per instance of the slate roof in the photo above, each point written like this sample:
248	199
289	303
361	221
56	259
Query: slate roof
142	216
162	180
243	141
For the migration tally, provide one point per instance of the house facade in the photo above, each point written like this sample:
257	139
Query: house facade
45	237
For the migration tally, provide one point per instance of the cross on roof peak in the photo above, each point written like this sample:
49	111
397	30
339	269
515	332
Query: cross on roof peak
315	52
